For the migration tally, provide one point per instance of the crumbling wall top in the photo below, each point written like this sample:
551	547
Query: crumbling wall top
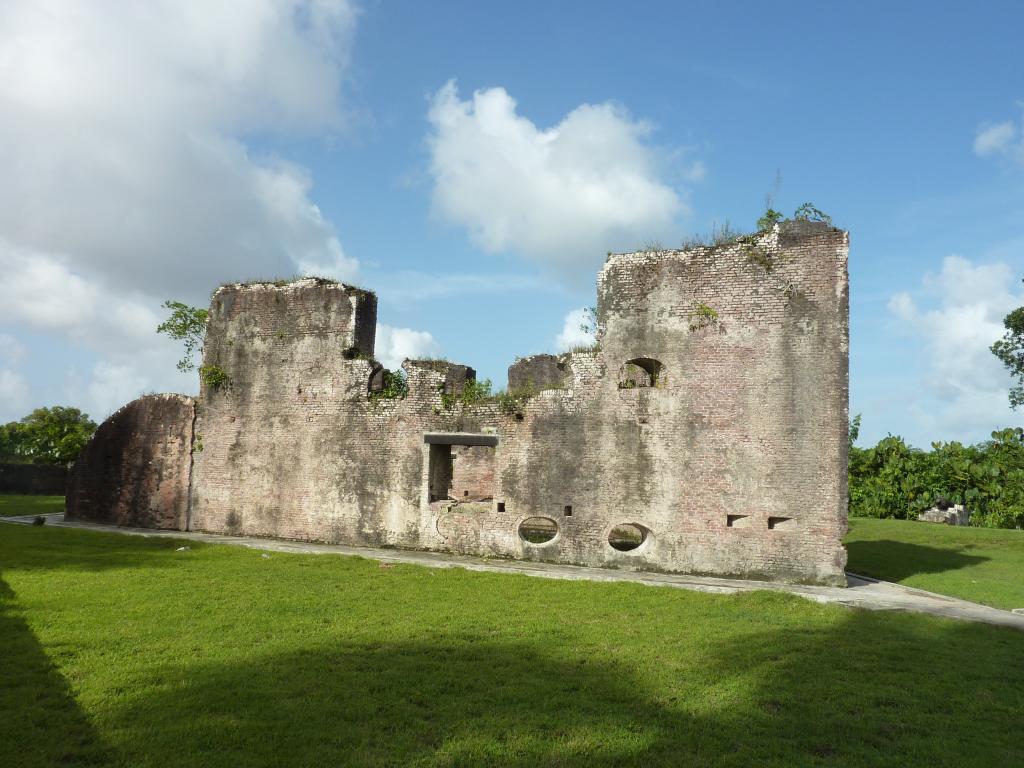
280	312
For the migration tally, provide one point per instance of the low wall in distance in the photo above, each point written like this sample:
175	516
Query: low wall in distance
33	479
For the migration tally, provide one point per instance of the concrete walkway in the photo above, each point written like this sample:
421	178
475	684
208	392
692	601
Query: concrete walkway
861	592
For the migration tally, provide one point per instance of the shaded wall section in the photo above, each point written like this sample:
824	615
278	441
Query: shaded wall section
135	470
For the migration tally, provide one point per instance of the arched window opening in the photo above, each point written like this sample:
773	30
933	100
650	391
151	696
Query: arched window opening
641	372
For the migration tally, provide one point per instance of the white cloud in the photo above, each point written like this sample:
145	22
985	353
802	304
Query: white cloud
1003	139
111	386
13	395
11	351
573	333
127	178
563	195
393	345
962	314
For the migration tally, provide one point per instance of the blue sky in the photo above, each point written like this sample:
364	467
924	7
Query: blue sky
473	162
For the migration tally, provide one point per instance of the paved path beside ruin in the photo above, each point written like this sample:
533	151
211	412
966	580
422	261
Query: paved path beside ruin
861	592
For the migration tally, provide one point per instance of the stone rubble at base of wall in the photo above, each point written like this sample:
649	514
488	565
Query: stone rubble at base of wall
955	515
711	418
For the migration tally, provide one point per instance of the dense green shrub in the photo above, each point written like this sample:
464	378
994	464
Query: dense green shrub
893	479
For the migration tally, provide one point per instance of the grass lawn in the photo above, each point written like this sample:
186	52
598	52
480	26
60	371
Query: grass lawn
12	504
120	650
985	565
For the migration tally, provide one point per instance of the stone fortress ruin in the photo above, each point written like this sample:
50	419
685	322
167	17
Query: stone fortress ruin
705	433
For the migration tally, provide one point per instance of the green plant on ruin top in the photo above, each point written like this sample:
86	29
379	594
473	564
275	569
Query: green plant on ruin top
769	219
473	392
511	402
808	212
720	234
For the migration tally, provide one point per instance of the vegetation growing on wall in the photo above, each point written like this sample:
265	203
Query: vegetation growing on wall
808	212
702	316
188	325
214	376
720	234
895	480
473	392
512	401
760	256
769	219
396	386
590	326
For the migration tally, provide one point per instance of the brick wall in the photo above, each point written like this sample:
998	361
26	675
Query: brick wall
135	469
733	463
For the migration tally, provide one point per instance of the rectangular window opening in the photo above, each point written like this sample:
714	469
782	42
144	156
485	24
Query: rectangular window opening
781	523
501	506
439	477
461	467
737	521
568	510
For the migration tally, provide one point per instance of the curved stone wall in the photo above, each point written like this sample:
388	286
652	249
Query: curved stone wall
135	470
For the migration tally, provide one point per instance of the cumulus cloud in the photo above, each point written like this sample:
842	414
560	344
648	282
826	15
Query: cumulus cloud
957	317
575	330
13	395
1001	139
127	171
563	195
11	351
393	345
111	386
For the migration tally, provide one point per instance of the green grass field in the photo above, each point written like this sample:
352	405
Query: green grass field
11	504
119	650
981	564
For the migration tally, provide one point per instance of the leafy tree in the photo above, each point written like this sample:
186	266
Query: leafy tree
854	431
1010	350
187	324
47	436
11	443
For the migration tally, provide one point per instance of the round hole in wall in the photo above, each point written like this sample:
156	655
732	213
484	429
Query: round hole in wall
627	537
538	530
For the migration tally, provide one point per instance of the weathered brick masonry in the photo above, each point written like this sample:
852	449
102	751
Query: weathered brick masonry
135	469
712	418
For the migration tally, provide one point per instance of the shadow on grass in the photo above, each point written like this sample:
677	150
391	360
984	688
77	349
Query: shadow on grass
34	548
41	724
897	560
869	690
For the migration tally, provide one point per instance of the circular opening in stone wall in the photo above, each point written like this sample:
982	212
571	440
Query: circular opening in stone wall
627	537
538	530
